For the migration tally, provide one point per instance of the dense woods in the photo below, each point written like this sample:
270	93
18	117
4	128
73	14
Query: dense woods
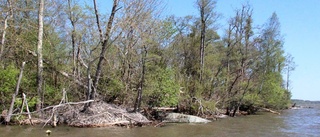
129	54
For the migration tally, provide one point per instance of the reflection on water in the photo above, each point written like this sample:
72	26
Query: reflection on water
303	122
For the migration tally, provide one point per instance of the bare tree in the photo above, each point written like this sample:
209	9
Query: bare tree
3	38
290	66
97	19
39	55
73	20
240	48
137	103
92	92
205	8
136	27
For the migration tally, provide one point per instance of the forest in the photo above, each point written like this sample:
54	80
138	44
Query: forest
131	55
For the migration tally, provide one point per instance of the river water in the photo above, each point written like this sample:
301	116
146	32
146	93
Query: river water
291	123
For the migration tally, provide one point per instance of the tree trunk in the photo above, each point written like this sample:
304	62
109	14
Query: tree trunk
97	19
15	94
3	36
202	37
73	39
102	54
4	32
39	52
206	8
137	104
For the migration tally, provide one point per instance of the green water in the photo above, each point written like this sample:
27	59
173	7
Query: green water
291	123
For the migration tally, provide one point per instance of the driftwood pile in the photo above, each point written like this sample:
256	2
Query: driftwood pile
100	114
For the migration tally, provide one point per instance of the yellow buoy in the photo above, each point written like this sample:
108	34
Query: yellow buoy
48	132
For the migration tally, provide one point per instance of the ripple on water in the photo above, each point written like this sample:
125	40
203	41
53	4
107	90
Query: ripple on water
302	122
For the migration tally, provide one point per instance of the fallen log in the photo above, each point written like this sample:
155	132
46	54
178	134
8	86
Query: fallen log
164	108
269	110
160	124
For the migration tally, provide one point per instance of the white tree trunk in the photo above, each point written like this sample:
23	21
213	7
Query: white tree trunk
39	52
15	94
3	38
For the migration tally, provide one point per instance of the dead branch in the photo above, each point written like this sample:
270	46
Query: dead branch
269	110
56	106
104	124
164	108
52	115
15	94
27	107
97	19
69	103
159	124
63	73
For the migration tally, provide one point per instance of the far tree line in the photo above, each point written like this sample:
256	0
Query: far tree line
132	56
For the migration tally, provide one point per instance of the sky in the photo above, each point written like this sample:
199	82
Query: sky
300	27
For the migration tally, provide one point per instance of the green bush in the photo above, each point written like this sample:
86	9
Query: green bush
31	103
8	81
161	88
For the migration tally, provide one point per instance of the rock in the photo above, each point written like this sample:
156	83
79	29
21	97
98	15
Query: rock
182	118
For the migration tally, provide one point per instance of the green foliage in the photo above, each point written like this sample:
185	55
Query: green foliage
210	105
167	29
272	92
8	83
28	84
52	94
115	90
8	79
18	102
20	117
161	88
252	99
31	103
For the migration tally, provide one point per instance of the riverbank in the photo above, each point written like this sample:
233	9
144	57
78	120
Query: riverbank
102	114
290	123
